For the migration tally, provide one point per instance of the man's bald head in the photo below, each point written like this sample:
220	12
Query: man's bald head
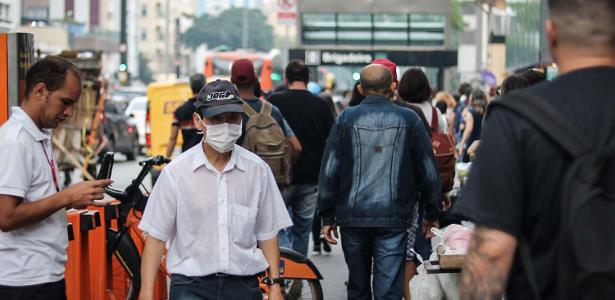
376	80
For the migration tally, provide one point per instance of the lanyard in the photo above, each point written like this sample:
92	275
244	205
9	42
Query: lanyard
52	165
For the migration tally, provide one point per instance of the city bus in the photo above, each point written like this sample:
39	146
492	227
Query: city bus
218	66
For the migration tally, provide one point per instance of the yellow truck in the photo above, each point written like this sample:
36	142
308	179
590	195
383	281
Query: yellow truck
162	100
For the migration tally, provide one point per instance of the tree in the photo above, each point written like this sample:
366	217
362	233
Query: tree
226	29
145	73
457	24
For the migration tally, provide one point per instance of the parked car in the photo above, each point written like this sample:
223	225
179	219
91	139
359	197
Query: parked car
136	112
122	134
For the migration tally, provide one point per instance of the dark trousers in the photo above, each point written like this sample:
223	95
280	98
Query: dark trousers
386	248
214	288
45	291
316	226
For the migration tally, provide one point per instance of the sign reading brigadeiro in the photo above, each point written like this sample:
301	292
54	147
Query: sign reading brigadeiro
287	12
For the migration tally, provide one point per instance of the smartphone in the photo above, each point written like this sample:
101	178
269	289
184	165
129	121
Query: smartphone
106	166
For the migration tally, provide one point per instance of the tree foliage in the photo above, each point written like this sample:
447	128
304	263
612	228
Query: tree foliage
145	73
226	30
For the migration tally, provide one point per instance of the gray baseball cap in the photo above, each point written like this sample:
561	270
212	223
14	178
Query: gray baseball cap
218	97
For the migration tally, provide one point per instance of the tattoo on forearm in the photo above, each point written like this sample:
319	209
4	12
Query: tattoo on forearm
481	279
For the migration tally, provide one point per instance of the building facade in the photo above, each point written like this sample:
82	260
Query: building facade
338	39
10	15
160	26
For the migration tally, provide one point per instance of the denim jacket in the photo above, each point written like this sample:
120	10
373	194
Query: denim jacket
377	162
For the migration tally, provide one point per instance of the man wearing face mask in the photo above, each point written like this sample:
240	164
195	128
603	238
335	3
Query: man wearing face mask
214	204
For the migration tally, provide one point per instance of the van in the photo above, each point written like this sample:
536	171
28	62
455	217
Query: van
162	100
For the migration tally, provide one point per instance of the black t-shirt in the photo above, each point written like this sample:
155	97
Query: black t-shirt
183	119
310	118
516	181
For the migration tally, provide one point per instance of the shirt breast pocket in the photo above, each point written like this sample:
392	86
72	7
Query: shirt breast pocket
243	222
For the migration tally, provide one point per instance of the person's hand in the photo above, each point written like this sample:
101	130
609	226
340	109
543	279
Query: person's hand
473	149
461	150
86	193
427	225
330	233
275	292
446	203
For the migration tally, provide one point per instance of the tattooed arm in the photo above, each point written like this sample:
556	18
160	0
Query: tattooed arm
487	264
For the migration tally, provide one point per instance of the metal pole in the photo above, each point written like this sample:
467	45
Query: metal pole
285	54
167	37
479	36
177	48
123	38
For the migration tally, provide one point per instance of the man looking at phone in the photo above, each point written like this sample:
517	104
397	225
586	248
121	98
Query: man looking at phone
34	240
213	205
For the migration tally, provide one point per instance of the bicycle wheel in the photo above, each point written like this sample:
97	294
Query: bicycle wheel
126	264
302	289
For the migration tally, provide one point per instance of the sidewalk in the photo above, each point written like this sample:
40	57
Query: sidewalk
333	269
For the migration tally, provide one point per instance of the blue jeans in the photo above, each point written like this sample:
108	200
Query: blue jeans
386	247
212	287
300	201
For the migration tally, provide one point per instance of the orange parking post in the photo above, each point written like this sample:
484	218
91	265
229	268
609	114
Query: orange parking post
97	255
76	275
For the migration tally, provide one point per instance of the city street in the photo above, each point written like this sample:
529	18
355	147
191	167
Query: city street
332	267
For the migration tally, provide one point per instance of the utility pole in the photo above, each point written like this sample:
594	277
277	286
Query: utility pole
123	48
167	37
177	47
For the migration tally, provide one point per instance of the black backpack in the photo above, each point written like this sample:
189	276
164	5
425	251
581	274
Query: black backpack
586	244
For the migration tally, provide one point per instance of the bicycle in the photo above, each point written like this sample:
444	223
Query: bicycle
302	278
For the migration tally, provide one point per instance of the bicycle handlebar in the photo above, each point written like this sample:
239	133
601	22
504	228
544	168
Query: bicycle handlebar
126	195
115	193
157	160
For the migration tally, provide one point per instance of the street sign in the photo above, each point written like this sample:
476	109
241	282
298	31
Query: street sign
287	12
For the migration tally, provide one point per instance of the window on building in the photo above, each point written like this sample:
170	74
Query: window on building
159	34
159	9
373	29
354	29
318	28
427	29
144	11
391	29
144	34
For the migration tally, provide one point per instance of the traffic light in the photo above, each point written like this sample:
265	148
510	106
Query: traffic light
122	74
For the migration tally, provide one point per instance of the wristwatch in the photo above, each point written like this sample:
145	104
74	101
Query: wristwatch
272	281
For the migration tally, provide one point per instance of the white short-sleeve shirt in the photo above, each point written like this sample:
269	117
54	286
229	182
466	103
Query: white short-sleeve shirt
36	253
212	220
426	107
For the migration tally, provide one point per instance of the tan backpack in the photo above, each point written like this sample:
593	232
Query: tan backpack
265	138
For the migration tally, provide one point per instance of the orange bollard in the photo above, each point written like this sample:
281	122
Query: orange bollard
77	271
97	256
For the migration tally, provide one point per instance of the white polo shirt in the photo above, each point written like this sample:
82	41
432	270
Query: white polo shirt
36	253
213	220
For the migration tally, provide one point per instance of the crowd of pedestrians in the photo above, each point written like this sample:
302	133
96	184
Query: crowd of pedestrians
374	172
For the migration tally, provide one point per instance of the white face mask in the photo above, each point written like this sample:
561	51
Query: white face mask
223	136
